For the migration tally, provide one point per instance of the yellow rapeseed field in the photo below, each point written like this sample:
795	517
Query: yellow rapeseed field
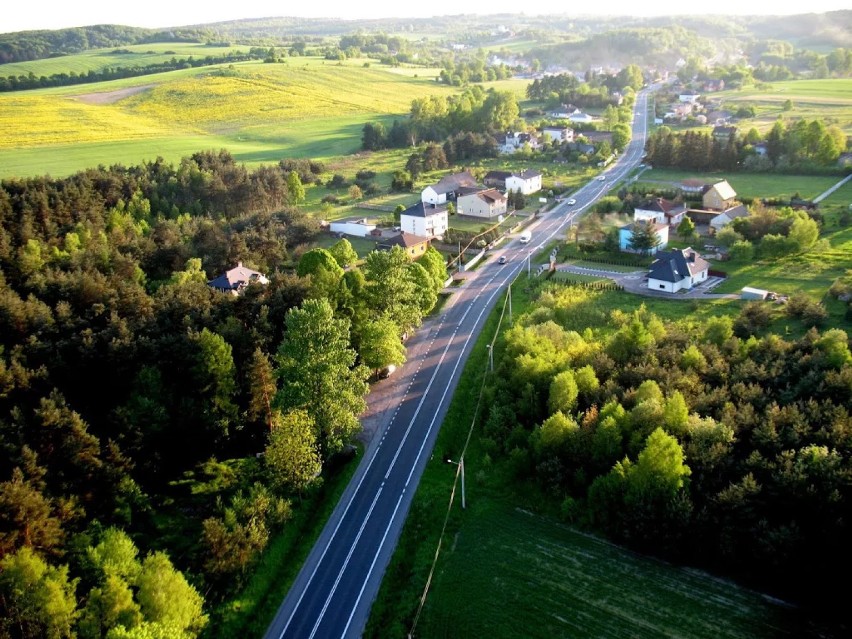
269	94
38	119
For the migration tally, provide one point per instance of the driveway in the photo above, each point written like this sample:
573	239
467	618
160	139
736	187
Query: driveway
635	282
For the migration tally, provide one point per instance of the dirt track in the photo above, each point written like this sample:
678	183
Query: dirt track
110	97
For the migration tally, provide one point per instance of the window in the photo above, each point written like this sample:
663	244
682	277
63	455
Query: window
662	286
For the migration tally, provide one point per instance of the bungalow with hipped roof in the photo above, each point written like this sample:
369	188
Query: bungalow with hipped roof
677	269
235	280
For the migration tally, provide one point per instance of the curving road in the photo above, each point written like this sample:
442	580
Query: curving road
333	593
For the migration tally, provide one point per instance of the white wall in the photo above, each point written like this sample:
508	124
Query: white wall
642	214
352	228
659	285
424	226
431	197
526	187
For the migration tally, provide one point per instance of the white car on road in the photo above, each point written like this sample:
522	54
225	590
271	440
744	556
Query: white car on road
572	202
601	178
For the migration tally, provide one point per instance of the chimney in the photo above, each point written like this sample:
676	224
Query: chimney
239	264
691	257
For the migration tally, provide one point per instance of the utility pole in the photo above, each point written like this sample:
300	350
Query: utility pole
460	464
509	293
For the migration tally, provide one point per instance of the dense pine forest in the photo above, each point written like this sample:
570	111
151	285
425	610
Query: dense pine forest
714	443
134	397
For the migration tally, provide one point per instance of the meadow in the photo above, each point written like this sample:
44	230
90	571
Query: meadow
305	107
828	100
748	185
99	59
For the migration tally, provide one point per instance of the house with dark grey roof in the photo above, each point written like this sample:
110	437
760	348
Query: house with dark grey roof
678	269
527	182
427	220
724	133
446	188
237	279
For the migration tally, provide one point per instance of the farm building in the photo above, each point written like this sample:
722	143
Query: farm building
359	227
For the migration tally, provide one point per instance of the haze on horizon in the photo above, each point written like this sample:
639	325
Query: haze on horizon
59	14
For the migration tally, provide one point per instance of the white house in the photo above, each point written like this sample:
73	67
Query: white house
526	182
235	280
661	211
486	203
726	217
675	270
558	133
359	227
446	188
424	220
515	140
690	97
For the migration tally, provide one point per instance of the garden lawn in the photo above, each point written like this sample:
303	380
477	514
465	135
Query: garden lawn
749	185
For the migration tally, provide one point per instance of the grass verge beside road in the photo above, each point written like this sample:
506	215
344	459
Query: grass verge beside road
249	612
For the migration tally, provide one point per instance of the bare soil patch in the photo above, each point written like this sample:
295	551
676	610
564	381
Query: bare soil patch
110	97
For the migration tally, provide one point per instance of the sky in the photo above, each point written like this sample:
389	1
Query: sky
23	15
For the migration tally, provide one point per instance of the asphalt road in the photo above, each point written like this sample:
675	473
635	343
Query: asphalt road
333	593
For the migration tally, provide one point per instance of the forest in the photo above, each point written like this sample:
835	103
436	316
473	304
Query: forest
791	146
134	398
714	443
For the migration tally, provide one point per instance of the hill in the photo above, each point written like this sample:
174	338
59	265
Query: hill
306	107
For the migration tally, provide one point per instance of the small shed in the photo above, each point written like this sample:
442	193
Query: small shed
754	293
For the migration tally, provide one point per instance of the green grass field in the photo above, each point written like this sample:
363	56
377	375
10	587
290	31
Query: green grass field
511	573
751	185
98	59
828	100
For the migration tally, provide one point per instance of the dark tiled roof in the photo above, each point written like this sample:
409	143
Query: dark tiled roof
424	210
527	174
676	265
497	175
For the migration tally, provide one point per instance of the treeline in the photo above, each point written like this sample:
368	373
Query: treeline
643	46
435	118
31	81
460	73
794	145
597	92
36	45
710	444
